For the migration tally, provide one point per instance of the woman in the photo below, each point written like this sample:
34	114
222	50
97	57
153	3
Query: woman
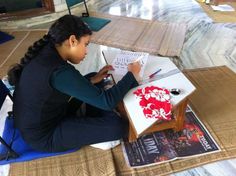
45	84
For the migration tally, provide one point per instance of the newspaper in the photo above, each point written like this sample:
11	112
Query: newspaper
164	146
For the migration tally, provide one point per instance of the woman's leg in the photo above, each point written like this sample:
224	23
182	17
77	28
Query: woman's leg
73	106
73	133
97	126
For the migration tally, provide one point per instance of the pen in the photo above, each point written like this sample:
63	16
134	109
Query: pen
153	74
103	54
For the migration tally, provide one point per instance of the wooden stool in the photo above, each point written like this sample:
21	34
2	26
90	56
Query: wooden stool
177	123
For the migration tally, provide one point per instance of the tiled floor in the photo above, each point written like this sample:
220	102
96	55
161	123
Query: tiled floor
206	44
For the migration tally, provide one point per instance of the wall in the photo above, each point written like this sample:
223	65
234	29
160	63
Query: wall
60	5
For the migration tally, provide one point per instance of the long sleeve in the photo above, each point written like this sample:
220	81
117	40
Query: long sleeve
69	81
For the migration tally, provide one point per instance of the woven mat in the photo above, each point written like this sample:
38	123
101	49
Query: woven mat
140	35
214	102
136	34
13	50
220	17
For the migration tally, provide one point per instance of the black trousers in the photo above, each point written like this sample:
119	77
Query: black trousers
96	126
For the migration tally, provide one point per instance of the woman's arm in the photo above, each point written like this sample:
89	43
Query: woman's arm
69	81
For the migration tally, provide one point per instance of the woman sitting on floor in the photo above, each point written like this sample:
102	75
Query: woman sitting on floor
49	91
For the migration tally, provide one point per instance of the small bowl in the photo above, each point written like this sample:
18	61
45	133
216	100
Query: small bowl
175	91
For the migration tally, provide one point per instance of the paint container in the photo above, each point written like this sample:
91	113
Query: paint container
175	91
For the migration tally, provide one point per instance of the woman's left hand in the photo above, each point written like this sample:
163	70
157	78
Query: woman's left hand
101	74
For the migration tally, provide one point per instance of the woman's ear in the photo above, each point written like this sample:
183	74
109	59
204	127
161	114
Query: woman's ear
72	41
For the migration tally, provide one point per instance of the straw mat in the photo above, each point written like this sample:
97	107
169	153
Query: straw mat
214	103
122	32
13	50
220	17
136	34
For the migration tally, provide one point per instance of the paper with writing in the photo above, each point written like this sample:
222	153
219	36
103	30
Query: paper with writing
120	63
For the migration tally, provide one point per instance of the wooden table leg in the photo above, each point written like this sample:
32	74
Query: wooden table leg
131	135
180	115
178	124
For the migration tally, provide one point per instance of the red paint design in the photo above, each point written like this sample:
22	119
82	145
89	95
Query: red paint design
155	102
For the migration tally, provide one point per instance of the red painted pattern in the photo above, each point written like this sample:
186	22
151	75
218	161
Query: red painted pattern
155	102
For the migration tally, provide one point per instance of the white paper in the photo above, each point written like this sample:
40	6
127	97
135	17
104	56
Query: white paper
7	106
223	8
122	59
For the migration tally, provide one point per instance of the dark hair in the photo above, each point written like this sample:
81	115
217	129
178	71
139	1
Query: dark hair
61	30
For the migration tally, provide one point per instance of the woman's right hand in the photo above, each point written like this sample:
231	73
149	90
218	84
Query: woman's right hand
135	68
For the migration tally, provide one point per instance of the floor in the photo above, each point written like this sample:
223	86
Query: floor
206	44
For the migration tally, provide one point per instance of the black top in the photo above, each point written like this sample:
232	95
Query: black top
46	85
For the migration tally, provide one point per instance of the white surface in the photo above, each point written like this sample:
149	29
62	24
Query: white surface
106	145
177	80
223	8
4	170
7	106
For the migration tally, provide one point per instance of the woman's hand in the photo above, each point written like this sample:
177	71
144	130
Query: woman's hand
101	74
135	68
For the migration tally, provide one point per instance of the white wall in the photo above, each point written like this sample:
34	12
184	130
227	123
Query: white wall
60	5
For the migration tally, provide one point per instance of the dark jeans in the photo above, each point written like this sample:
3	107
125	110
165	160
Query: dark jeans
96	126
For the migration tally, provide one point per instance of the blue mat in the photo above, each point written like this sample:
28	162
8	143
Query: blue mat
24	150
4	37
95	23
